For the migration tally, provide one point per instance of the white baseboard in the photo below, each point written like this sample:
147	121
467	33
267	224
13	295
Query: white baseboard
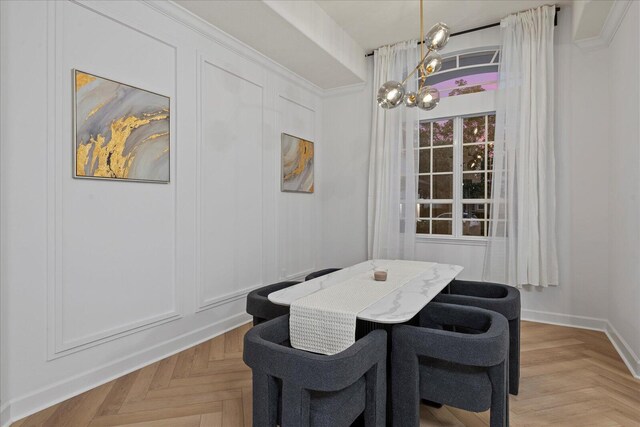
582	322
624	350
24	406
629	357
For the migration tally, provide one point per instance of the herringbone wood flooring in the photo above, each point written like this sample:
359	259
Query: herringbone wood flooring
570	377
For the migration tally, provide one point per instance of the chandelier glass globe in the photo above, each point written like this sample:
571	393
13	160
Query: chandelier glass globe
390	94
428	98
438	36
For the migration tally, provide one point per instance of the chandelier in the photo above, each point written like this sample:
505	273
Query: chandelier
393	93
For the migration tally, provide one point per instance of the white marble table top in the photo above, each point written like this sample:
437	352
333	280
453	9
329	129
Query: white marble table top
397	307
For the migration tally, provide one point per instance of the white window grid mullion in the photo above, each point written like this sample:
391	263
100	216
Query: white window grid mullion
475	201
436	201
431	178
457	178
466	67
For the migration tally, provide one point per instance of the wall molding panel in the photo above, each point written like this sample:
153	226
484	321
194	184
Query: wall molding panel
59	136
226	223
297	212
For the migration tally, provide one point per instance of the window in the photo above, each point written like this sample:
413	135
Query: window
455	154
455	163
467	72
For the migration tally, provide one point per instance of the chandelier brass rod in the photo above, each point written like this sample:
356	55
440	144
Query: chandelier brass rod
421	33
417	66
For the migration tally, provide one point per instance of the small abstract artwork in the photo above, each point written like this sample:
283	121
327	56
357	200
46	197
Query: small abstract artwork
297	164
121	132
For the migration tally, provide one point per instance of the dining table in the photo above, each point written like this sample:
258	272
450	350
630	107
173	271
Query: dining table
331	311
398	306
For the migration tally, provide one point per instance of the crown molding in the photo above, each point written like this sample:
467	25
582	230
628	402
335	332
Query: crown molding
344	90
211	32
609	28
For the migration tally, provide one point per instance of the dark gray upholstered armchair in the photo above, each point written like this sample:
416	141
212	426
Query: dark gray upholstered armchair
259	306
467	371
320	273
492	296
295	388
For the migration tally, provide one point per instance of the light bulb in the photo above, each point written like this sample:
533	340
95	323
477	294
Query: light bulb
433	63
428	98
410	99
390	94
438	36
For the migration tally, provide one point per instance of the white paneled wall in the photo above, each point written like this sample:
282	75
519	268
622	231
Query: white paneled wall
230	209
87	219
624	179
346	134
99	277
297	216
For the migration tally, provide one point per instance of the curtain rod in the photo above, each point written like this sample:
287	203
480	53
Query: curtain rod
484	27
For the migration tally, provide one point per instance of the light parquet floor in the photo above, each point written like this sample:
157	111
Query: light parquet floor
570	377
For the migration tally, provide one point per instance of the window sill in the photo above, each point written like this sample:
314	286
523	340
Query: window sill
447	240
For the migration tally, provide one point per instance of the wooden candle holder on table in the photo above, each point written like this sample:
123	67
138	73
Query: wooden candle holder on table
380	275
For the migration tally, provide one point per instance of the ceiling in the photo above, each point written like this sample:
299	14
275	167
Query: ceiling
325	41
375	23
284	32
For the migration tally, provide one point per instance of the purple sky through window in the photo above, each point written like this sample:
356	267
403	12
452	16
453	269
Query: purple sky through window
489	81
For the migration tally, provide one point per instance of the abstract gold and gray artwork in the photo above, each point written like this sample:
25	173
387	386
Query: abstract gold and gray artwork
297	164
121	132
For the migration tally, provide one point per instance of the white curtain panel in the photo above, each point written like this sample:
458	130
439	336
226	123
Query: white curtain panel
392	162
522	229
